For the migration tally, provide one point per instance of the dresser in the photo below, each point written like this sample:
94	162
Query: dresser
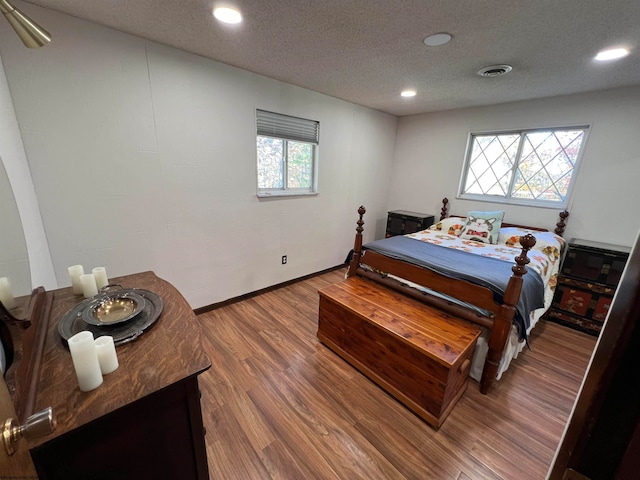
588	279
144	421
401	222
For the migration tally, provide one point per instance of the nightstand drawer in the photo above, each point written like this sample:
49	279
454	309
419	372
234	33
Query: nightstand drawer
577	323
594	287
574	301
595	265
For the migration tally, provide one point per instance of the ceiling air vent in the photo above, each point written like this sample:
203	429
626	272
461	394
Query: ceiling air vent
494	70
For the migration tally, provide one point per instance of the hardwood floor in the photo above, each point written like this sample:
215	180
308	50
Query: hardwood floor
278	404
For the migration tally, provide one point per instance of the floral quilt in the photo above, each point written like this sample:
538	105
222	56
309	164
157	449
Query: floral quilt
545	255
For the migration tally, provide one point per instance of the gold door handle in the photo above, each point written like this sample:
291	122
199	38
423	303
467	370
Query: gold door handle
37	425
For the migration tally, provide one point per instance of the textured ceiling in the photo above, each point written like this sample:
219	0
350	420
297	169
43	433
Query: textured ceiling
367	51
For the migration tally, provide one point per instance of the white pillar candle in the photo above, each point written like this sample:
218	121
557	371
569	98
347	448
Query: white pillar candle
106	354
6	296
89	287
75	271
101	277
85	360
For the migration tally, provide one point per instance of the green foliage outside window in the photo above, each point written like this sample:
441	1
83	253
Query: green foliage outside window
531	166
284	162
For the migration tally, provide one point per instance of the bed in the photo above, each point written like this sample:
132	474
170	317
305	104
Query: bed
504	283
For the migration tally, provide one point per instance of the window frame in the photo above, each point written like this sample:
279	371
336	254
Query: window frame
282	134
513	200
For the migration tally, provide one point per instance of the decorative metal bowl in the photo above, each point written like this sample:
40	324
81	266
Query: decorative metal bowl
122	332
113	308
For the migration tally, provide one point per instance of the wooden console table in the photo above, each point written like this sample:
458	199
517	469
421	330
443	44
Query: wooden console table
144	421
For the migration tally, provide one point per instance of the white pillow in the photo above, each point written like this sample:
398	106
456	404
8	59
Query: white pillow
549	243
450	225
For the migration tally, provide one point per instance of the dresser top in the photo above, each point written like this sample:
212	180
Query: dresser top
599	245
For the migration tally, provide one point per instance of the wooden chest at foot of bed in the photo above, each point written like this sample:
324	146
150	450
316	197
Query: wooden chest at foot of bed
417	353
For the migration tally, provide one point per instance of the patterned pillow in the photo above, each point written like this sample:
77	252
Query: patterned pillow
483	226
450	225
548	243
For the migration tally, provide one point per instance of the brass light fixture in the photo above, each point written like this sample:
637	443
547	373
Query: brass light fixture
31	34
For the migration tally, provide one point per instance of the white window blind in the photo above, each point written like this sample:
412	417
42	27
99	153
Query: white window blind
287	127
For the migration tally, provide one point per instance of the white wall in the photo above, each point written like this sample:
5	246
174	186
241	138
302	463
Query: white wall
143	158
430	152
22	233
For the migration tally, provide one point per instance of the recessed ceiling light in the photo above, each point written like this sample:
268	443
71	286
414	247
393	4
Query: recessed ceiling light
612	54
227	14
494	70
437	39
408	93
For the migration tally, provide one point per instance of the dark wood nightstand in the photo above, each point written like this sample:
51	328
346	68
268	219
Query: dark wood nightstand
401	222
588	279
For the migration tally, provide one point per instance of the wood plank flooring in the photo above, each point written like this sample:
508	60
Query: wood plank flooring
278	404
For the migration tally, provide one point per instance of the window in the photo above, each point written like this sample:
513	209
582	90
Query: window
287	151
535	167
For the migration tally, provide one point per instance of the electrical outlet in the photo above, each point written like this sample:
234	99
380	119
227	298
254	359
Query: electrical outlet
284	259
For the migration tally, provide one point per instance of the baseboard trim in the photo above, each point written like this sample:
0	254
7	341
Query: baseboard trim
224	303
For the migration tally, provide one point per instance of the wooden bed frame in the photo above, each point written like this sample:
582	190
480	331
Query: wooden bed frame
500	319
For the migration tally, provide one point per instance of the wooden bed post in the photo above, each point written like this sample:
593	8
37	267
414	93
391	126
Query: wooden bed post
502	323
357	244
561	223
445	208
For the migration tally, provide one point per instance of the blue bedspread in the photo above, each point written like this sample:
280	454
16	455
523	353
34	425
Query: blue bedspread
489	272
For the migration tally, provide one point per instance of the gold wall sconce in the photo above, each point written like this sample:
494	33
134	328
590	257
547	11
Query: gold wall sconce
31	34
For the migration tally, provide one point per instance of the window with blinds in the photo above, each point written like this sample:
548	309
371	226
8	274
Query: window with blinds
287	154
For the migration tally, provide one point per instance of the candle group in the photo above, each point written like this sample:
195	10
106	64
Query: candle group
6	296
87	284
92	358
